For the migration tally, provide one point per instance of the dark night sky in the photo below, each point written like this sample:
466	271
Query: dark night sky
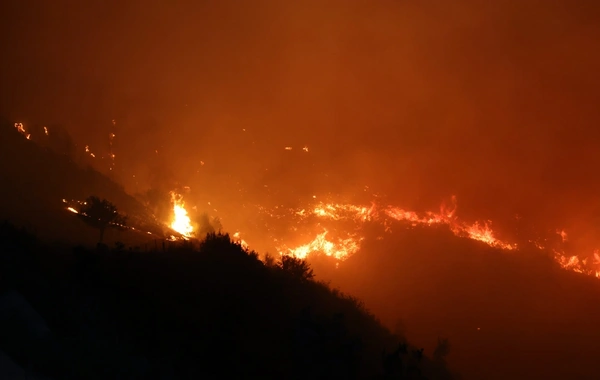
492	101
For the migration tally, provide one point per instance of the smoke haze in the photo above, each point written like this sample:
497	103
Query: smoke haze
494	102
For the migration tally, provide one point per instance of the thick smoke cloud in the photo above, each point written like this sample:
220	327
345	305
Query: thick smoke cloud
491	101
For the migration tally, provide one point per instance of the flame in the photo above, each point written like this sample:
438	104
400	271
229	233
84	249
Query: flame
241	241
578	265
344	247
357	215
339	249
341	244
21	128
485	234
181	221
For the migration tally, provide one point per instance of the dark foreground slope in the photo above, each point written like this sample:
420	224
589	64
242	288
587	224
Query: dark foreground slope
508	315
212	312
36	178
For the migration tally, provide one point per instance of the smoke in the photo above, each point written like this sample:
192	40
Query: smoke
407	102
493	102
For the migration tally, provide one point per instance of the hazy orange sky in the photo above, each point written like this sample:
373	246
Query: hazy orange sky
492	101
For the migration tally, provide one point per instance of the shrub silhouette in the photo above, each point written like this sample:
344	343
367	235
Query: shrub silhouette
296	267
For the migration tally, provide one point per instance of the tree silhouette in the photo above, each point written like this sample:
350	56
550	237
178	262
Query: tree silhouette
270	261
296	267
100	214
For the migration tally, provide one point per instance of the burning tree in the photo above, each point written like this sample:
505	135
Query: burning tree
100	214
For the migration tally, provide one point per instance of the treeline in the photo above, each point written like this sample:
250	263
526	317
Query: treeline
212	311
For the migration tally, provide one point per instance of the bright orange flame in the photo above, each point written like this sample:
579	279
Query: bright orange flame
241	241
340	249
358	215
181	221
21	128
485	234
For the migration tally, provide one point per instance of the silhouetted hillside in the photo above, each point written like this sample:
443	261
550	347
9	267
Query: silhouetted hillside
213	311
514	314
37	177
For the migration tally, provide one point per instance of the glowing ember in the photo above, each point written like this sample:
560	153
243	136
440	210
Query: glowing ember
21	128
87	150
181	221
111	137
562	234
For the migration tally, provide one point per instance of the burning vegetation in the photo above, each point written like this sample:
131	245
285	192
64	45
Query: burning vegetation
337	230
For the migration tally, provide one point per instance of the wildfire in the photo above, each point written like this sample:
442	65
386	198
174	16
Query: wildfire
181	221
343	242
356	217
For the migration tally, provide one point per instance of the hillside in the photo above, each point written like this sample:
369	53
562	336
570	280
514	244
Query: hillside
216	312
36	179
514	315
